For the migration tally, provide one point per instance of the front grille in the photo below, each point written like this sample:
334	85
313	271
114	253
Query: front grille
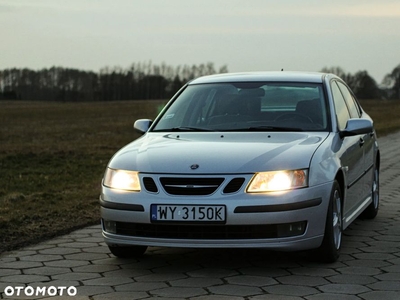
184	231
234	185
150	185
190	186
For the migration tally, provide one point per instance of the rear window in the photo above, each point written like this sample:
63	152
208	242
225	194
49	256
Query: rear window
286	97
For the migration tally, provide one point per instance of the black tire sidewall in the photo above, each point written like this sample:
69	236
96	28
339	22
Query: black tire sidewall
327	252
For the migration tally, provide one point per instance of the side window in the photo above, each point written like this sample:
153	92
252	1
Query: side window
351	104
342	113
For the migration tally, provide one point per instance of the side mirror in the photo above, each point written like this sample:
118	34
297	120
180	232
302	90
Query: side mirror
356	127
142	125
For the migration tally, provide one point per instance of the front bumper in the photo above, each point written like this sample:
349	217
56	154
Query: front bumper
253	220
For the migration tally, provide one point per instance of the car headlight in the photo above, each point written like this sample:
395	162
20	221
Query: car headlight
121	179
278	181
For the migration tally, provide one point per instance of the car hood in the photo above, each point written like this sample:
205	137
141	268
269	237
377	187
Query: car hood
218	152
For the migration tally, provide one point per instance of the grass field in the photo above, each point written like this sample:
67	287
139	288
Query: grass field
385	114
53	155
52	159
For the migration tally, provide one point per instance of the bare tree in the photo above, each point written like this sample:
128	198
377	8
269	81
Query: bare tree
392	82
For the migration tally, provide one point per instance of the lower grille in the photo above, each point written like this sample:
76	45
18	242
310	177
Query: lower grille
182	231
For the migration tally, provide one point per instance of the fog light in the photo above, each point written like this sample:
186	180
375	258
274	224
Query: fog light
110	226
292	229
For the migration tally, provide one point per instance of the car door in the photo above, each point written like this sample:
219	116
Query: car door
367	141
351	156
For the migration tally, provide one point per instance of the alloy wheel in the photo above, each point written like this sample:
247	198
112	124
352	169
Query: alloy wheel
337	219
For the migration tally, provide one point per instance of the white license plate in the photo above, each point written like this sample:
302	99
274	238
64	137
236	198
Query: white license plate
188	213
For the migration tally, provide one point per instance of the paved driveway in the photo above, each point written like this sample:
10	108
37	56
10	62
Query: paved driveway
80	264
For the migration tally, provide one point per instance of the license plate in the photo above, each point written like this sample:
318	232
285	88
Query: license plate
188	213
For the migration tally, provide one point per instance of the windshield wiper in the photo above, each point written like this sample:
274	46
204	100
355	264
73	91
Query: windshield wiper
184	128
268	128
255	128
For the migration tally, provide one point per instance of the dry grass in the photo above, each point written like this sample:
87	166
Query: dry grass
53	155
52	159
385	113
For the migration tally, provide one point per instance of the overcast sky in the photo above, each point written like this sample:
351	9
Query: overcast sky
250	35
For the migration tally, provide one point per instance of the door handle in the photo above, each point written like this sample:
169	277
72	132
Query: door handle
361	142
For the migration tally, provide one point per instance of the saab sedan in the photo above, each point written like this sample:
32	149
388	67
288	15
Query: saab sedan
277	160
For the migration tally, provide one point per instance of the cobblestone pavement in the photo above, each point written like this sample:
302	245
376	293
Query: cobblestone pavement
369	266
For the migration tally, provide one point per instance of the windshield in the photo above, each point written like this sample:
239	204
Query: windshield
260	106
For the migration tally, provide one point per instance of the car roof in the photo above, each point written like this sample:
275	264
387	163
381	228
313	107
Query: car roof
283	76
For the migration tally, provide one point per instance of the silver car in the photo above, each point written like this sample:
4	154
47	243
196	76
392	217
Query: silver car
275	160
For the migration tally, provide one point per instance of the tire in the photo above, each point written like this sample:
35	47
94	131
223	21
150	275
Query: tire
128	251
329	250
372	210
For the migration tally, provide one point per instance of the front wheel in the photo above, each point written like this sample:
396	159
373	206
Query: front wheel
329	250
372	210
128	251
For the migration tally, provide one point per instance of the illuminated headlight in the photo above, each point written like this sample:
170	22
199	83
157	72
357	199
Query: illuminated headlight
122	180
278	181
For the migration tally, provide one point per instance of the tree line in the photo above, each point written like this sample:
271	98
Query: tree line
365	87
139	81
149	81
